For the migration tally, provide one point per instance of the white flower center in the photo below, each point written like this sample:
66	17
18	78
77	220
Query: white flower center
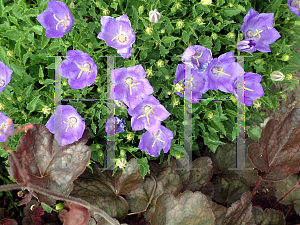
295	3
148	109
86	67
71	123
2	82
65	23
215	70
250	33
130	81
121	37
3	125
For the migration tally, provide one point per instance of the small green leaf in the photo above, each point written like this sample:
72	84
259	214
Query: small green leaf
169	39
37	29
46	207
94	128
255	133
32	105
144	167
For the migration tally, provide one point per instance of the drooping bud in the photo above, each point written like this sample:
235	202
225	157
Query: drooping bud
180	24
245	45
277	76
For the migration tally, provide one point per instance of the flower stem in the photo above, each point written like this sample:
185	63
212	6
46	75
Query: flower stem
121	6
255	188
283	197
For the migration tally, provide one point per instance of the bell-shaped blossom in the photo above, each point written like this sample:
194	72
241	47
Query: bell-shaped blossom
5	75
259	27
197	56
152	143
66	125
248	88
196	83
148	114
246	45
154	16
117	33
294	6
79	68
131	85
114	124
57	19
222	72
6	127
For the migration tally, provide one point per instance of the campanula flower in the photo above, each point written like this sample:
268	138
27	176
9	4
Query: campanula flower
6	127
294	6
197	56
57	19
222	72
131	85
5	75
114	124
259	27
117	33
196	83
148	114
252	88
246	45
152	143
72	125
79	68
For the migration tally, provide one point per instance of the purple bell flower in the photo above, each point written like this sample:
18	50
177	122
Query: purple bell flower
79	68
5	75
131	85
196	83
197	56
72	125
117	33
259	27
222	72
294	6
252	88
246	45
57	19
148	114
6	129
153	143
114	124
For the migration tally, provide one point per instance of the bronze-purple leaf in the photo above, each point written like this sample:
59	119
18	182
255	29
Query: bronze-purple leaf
46	163
267	216
186	208
277	153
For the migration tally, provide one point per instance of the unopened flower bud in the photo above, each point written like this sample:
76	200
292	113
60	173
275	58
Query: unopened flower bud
180	24
245	45
178	87
178	156
72	6
149	30
178	5
286	57
206	2
173	9
19	98
30	49
199	21
149	73
163	31
97	78
46	110
122	153
97	146
141	9
106	12
257	103
154	16
214	36
160	63
100	153
121	163
2	106
289	76
10	53
277	76
284	96
130	136
59	206
65	83
176	102
297	22
210	115
231	35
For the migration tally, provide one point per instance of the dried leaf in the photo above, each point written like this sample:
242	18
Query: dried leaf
103	190
277	153
196	177
186	208
240	212
284	187
267	216
47	163
167	180
8	222
27	198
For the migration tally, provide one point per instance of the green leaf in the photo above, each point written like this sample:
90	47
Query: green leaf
14	35
17	49
94	128
41	73
144	167
254	133
37	29
230	12
46	207
169	39
47	81
271	8
32	105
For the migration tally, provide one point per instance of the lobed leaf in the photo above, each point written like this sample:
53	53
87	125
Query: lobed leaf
267	216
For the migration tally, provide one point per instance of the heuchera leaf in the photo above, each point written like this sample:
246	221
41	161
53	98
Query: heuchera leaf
186	208
267	216
46	163
103	190
218	210
284	186
33	216
277	153
77	215
27	198
196	177
240	212
8	222
167	180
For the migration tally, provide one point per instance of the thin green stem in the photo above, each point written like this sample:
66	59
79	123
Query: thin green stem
121	6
